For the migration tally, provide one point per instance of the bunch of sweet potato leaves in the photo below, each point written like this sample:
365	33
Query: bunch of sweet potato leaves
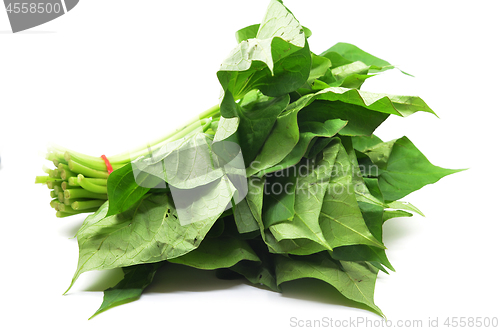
318	184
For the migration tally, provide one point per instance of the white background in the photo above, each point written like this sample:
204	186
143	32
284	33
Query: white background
112	74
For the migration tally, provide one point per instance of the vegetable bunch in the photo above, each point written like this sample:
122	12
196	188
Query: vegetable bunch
284	179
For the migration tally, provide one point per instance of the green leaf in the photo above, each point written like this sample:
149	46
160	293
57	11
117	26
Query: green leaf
226	128
336	59
350	75
123	189
341	220
345	52
215	253
296	246
279	198
287	144
255	198
146	233
362	253
370	203
184	164
319	67
202	176
257	273
354	80
373	216
401	169
381	102
408	170
136	279
374	188
243	217
388	214
308	132
405	206
316	146
378	102
280	142
353	53
217	229
277	61
300	246
360	121
361	189
307	32
375	106
290	73
257	114
248	32
362	143
354	280
279	202
379	154
312	182
207	201
262	272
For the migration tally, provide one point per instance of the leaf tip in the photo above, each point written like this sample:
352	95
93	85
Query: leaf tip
71	285
406	73
97	312
378	243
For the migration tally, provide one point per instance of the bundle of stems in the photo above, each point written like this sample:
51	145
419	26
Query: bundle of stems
78	182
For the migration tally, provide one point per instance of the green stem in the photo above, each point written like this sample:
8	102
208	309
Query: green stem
98	181
64	155
86	171
89	186
46	179
41	179
66	174
128	157
71	213
54	203
73	181
90	161
55	155
210	112
68	202
64	208
58	189
46	169
191	127
60	214
75	193
67	185
70	163
52	184
81	205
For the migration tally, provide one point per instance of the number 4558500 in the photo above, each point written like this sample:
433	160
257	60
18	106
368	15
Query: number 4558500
33	8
